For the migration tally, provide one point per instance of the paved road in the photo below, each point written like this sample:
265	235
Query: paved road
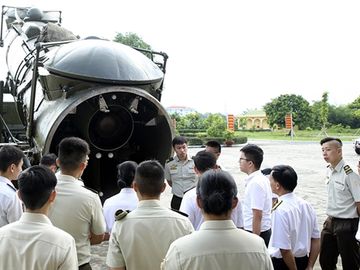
304	157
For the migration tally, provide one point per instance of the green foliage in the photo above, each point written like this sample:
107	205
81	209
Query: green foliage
295	104
355	108
131	39
324	109
343	115
216	124
191	121
240	139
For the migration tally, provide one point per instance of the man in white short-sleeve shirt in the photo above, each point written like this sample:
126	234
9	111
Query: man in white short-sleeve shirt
295	239
140	239
76	209
203	161
258	196
11	161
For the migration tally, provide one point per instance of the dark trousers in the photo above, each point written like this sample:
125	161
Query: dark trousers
175	202
301	263
85	266
338	237
265	235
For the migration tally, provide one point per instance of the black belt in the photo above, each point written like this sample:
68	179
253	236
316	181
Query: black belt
343	219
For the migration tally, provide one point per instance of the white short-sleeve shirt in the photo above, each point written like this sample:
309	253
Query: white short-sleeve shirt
141	239
10	204
126	199
77	211
190	207
286	228
218	245
257	195
34	243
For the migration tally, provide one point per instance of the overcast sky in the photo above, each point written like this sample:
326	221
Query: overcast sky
230	56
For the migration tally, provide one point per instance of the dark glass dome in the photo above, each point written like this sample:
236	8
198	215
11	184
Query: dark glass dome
103	61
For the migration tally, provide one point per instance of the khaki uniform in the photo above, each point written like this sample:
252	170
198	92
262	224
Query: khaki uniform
10	204
77	211
34	243
218	245
338	234
181	174
140	240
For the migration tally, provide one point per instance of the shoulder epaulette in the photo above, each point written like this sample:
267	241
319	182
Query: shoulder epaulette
170	159
347	169
328	166
14	189
179	212
276	205
91	189
120	214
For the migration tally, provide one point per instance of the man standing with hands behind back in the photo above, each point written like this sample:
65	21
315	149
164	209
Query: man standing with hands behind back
179	171
338	234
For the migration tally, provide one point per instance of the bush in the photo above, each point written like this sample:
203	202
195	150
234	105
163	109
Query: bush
194	141
240	140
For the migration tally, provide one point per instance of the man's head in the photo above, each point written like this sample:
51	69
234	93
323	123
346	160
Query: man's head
251	157
204	161
180	146
283	178
217	193
149	179
126	173
37	187
49	160
11	161
73	155
213	147
332	150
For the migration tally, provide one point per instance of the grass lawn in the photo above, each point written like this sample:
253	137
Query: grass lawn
301	135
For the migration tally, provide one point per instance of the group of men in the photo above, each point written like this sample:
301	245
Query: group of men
62	218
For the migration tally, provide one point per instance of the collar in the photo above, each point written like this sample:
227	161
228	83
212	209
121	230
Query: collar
251	176
7	181
66	178
35	217
287	196
339	166
176	158
218	225
149	203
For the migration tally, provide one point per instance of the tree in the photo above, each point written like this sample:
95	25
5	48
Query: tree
324	110
216	124
132	39
284	104
355	108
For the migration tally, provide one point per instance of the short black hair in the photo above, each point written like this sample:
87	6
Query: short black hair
286	176
253	153
72	151
179	140
149	177
216	189
214	144
35	186
10	155
126	173
48	159
204	161
329	139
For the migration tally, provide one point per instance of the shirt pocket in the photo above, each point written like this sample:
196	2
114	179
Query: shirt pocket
339	185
